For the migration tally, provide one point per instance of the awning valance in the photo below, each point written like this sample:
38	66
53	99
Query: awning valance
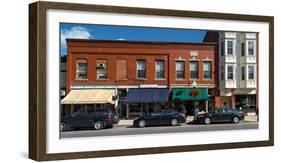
182	94
147	95
89	96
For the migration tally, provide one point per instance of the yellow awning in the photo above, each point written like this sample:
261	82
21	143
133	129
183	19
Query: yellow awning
89	96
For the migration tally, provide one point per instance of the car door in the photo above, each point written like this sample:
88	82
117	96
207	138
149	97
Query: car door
88	118
155	118
168	115
217	115
76	120
227	115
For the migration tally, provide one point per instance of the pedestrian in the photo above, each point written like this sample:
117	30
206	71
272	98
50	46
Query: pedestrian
183	109
224	105
196	111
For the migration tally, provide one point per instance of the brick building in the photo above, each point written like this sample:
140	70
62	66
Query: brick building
137	77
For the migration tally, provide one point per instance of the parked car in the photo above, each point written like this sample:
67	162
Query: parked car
162	117
221	115
97	118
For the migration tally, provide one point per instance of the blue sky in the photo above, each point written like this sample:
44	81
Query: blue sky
109	32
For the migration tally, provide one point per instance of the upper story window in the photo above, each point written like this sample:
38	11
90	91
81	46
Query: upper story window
222	73
230	47
222	48
251	72
193	67
251	47
230	72
81	69
242	49
207	70
101	69
242	73
141	69
160	69
180	70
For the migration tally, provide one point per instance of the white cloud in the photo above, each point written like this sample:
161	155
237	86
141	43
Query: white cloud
74	32
121	39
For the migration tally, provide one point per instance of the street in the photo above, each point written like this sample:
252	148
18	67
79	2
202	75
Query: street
123	130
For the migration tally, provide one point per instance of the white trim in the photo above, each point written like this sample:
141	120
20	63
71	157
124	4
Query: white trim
114	86
190	85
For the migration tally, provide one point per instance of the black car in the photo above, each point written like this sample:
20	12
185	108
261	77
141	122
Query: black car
162	117
221	115
98	118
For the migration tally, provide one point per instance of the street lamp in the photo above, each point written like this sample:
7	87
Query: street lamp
194	84
194	94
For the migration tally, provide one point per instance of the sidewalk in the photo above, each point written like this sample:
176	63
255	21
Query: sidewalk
251	118
125	122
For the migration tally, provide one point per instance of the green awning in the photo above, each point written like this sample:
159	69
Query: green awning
183	94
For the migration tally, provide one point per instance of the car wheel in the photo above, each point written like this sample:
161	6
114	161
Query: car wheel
142	123
208	120
235	119
174	122
98	125
63	126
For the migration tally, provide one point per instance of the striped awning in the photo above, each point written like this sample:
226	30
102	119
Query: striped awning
89	96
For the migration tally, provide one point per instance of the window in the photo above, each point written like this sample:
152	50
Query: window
243	49
222	48
193	67
242	73
180	69
251	46
251	72
230	72
222	73
230	47
101	69
81	69
141	69
160	69
207	70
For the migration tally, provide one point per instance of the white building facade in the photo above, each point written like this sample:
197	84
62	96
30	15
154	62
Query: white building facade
238	70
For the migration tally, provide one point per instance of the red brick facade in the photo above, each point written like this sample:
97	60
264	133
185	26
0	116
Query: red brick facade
128	52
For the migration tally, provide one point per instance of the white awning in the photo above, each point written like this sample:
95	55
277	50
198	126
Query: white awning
89	96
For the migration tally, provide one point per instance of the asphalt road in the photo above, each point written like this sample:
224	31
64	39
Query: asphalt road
158	130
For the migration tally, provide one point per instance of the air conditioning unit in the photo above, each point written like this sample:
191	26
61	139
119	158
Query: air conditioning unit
101	65
101	75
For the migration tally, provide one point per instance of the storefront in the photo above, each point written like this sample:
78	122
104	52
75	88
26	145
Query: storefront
142	101
191	97
247	103
94	98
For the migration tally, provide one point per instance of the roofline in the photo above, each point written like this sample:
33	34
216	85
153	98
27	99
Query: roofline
139	42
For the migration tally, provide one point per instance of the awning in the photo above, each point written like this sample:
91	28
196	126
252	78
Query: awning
147	95
182	94
89	96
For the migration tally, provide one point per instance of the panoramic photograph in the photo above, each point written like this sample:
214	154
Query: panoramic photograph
128	80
